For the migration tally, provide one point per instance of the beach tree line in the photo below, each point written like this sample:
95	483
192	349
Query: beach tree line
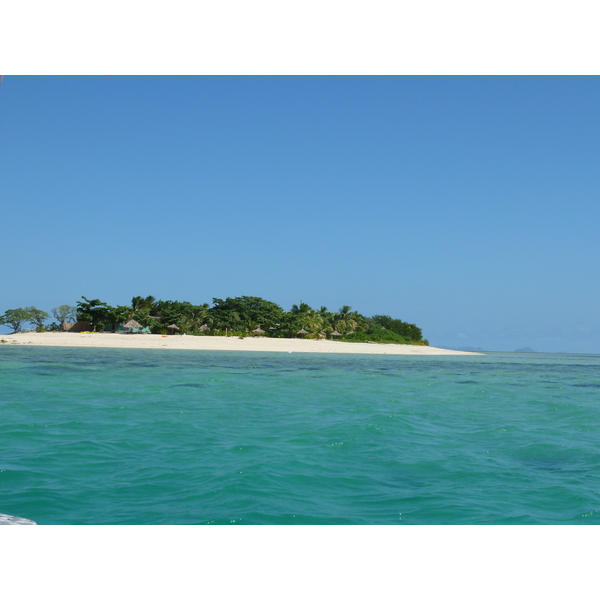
241	316
16	318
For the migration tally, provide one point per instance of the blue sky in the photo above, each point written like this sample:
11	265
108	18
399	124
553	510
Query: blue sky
466	205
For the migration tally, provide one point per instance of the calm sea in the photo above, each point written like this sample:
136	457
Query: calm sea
115	436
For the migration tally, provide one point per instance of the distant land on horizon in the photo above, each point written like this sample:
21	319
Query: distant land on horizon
526	349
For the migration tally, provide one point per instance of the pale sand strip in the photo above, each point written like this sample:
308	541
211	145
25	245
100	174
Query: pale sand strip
191	342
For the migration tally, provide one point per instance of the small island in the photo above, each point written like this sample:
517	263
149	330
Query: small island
170	323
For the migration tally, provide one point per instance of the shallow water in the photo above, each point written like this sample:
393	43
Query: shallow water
123	436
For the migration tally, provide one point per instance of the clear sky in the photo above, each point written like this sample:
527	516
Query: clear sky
467	205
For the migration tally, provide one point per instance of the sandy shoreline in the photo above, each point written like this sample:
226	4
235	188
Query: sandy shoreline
190	342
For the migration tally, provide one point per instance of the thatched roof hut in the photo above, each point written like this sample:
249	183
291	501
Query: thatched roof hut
204	328
336	333
132	325
257	331
173	328
302	332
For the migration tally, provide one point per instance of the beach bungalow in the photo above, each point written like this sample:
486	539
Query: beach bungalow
132	326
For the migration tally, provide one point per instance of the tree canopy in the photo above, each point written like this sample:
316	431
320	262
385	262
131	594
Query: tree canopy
233	313
231	316
17	317
36	316
64	313
95	312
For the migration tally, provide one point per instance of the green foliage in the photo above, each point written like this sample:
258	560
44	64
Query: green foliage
384	329
376	333
15	318
407	330
143	304
116	316
64	313
299	309
288	326
239	313
142	310
232	316
188	317
318	322
346	320
159	328
314	323
94	312
36	316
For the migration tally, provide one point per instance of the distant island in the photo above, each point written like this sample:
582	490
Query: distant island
242	316
526	349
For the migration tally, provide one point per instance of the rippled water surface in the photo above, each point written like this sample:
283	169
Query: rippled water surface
115	436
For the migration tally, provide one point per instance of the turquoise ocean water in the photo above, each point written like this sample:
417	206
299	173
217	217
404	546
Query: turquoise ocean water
115	436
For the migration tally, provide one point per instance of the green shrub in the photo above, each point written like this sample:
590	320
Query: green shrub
406	330
158	328
379	334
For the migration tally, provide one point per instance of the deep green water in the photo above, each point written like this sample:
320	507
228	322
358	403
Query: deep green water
115	436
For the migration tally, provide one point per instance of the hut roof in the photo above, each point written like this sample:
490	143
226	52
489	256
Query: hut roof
172	326
204	328
132	325
336	332
258	330
303	331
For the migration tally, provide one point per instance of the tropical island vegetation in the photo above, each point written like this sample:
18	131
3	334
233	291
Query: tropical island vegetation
241	316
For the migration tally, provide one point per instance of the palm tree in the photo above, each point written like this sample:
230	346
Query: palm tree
301	308
139	303
346	319
313	322
324	312
197	315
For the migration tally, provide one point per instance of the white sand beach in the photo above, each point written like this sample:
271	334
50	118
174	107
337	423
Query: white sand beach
190	342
